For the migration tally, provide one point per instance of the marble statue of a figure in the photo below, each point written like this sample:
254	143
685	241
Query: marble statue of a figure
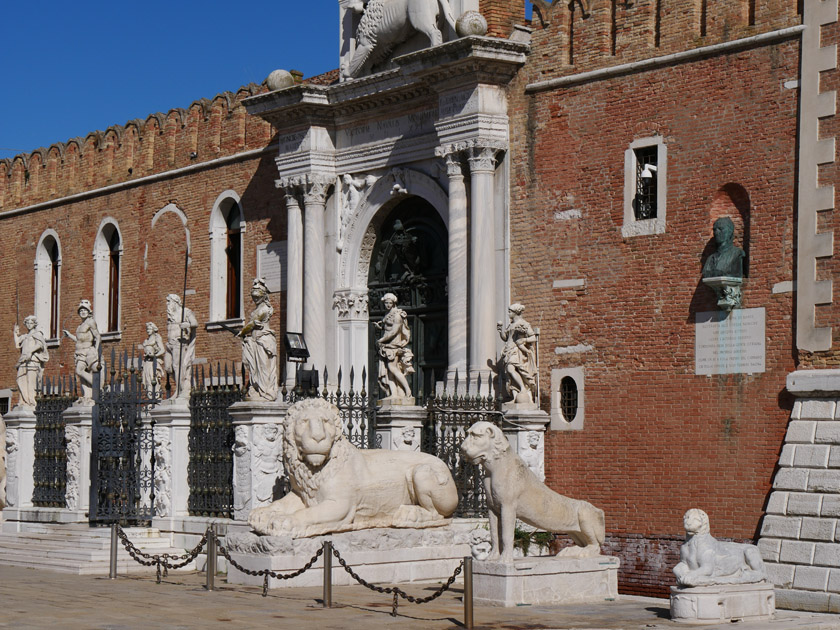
395	355
259	346
337	487
387	27
30	365
153	351
514	492
88	342
706	561
181	326
519	356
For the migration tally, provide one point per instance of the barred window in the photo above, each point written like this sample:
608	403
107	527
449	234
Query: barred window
644	204
568	398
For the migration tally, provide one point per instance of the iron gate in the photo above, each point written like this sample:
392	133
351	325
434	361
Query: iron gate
49	470
121	489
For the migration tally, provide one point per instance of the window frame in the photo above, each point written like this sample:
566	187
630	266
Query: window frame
47	306
558	421
644	227
220	232
107	294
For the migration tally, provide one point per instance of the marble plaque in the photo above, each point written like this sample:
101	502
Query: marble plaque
271	265
730	343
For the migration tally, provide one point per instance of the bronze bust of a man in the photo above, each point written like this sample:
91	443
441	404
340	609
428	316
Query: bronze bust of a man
728	259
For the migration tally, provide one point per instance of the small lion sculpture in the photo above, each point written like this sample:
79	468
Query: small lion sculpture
337	487
513	491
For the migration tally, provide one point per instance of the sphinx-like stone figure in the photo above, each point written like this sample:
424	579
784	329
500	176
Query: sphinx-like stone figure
88	342
395	356
337	487
706	561
259	346
30	365
513	492
181	325
385	25
519	356
153	352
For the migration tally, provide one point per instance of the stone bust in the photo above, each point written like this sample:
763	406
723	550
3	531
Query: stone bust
727	260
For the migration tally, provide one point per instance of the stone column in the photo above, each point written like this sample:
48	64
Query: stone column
20	459
294	267
351	305
172	460
78	421
257	454
314	270
458	268
482	315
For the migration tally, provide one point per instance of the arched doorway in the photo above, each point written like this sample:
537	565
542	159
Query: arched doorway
410	261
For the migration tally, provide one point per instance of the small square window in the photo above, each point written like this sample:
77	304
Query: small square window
645	191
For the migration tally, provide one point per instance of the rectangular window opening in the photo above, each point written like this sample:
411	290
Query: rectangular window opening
234	273
644	202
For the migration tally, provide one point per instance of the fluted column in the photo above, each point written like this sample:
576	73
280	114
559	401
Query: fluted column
458	268
294	265
483	286
314	269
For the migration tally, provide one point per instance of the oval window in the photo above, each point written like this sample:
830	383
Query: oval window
568	398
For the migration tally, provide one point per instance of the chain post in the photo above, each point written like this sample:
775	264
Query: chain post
468	592
327	574
112	573
210	566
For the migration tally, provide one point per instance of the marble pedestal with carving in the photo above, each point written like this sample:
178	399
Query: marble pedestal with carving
383	555
398	427
545	580
723	603
525	430
172	459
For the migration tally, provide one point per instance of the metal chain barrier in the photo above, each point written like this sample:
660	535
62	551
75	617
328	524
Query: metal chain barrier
163	562
267	573
398	592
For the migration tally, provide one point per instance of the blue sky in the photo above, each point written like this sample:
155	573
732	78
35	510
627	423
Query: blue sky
73	67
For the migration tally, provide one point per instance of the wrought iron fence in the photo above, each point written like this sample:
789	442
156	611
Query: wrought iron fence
49	470
123	443
356	406
211	437
449	415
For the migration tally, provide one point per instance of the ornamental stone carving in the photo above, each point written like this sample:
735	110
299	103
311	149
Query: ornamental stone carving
531	450
267	462
241	473
316	188
351	304
73	438
163	472
12	481
2	463
352	191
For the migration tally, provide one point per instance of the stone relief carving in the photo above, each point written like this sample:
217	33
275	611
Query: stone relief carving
513	491
405	440
480	544
706	561
153	353
259	346
163	472
338	487
532	453
351	304
387	27
316	188
399	187
365	253
519	356
86	357
396	360
267	462
181	326
73	437
352	191
11	467
30	365
241	472
2	463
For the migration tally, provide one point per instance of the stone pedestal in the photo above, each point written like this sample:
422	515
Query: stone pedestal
545	580
78	421
723	603
20	457
257	454
172	458
399	427
384	555
525	430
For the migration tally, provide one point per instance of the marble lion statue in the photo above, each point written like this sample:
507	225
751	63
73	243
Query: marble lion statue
704	560
337	487
514	492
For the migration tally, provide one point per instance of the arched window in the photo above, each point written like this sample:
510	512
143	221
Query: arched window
107	253
227	225
48	283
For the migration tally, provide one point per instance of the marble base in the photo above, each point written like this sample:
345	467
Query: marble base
392	556
545	580
723	603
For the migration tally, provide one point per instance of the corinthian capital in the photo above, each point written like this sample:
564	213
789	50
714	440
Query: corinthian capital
482	154
316	188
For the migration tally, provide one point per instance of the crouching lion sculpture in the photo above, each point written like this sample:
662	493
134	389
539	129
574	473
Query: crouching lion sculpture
337	487
513	491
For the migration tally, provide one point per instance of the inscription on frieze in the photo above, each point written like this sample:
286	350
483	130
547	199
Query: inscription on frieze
457	103
729	343
407	126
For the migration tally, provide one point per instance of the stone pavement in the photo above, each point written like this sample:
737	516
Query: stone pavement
39	599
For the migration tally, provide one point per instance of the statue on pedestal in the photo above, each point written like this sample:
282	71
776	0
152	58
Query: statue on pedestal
519	356
88	342
706	561
259	346
723	271
181	326
153	352
395	357
30	365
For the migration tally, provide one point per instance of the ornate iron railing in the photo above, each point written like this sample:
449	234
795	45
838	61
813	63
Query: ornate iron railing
210	472
449	415
122	444
49	470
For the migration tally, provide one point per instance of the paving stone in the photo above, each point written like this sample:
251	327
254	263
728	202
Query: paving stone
781	526
818	529
811	578
797	552
791	479
777	504
823	481
804	503
801	432
811	455
827	432
817	410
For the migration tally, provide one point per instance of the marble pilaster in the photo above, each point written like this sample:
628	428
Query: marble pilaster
314	268
78	420
351	306
20	457
172	459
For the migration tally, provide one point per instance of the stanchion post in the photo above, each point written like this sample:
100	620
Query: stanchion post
327	574
112	573
210	566
468	593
